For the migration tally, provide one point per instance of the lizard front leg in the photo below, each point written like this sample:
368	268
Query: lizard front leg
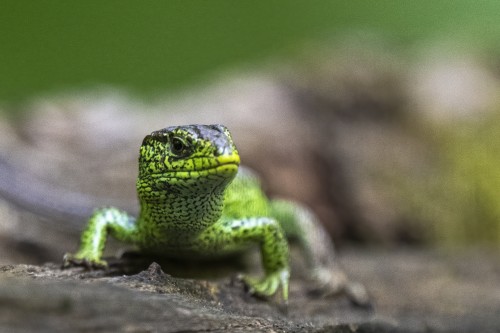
228	236
110	220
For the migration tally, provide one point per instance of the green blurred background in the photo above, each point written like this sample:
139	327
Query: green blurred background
147	48
155	48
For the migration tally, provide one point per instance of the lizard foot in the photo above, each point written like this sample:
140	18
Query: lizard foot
70	260
330	283
268	285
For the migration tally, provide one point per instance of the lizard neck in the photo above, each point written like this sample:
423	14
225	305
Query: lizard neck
177	214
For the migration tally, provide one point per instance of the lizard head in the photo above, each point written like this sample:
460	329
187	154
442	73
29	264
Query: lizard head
188	158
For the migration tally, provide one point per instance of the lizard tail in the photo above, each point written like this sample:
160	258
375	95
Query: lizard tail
66	209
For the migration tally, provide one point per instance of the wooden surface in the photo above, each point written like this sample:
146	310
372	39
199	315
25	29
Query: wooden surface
412	292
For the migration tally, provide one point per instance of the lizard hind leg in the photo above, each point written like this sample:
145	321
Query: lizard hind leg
110	220
301	225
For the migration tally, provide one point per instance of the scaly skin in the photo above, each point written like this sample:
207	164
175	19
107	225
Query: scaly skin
194	203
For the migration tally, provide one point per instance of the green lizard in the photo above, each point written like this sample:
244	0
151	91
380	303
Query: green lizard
196	202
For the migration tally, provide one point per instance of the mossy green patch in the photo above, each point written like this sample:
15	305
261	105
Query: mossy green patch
458	199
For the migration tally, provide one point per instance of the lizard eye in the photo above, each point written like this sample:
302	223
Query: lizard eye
178	146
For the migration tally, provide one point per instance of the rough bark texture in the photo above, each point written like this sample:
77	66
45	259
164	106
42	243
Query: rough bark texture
412	292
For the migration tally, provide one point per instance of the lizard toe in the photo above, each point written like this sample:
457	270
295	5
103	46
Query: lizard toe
72	260
269	285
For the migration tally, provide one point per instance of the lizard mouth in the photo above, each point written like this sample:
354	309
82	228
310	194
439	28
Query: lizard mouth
223	170
229	159
224	165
